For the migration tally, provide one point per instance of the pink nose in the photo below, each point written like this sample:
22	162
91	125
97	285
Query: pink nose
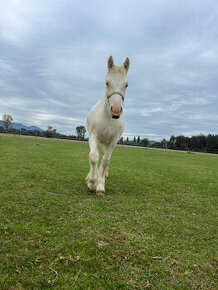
116	110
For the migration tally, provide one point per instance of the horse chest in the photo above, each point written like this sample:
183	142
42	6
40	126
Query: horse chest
109	132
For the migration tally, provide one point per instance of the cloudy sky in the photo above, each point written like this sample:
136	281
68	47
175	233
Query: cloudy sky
53	62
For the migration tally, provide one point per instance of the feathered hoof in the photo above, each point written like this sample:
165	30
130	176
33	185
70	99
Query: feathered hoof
100	193
91	187
100	190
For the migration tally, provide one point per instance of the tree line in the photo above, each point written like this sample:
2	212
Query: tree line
198	143
201	143
50	132
135	142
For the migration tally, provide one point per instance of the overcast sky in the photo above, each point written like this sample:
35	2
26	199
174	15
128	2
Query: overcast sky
53	62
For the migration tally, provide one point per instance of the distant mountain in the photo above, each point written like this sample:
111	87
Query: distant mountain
152	141
19	126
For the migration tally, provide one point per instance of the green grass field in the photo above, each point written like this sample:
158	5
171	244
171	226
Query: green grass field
154	229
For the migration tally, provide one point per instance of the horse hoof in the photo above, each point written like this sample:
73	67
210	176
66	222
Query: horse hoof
92	190
91	187
100	193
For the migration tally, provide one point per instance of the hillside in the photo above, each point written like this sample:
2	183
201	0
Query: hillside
20	126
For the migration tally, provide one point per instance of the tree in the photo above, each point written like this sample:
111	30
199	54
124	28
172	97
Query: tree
50	132
138	140
80	131
7	120
134	140
164	142
54	133
172	142
145	142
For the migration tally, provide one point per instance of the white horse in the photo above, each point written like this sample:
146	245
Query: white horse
105	124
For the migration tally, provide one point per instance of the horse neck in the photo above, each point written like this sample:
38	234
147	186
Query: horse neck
105	106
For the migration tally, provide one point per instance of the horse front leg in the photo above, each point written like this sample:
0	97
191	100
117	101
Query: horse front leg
103	170
91	178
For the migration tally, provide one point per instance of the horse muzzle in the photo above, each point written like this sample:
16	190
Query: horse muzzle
116	111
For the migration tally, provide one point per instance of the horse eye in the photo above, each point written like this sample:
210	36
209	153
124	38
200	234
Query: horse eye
107	83
126	85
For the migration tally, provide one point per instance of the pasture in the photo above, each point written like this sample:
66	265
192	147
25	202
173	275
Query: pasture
154	229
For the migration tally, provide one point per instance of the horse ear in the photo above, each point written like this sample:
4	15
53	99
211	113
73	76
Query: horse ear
110	62
126	64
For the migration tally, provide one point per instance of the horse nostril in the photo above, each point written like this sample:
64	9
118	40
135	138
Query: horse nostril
121	110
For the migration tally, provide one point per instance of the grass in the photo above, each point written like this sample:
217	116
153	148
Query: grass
155	228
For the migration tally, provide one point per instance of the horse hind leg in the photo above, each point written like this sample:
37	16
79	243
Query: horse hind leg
103	170
102	175
106	174
106	170
91	178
